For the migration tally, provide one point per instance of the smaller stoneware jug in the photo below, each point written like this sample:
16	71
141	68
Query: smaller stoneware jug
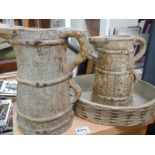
114	76
44	77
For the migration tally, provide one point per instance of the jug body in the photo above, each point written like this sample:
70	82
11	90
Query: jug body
114	76
44	77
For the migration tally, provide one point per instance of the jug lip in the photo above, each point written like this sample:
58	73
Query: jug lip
112	38
21	28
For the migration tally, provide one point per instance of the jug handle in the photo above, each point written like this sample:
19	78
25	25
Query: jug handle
84	46
142	51
77	90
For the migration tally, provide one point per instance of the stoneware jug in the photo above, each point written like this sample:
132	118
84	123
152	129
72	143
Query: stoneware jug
114	76
44	77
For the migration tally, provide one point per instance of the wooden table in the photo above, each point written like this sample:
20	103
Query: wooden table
96	129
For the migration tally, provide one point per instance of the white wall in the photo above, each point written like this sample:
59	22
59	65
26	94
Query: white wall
78	23
107	25
104	27
122	23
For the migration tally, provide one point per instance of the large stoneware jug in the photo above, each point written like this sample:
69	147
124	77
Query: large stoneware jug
114	77
44	77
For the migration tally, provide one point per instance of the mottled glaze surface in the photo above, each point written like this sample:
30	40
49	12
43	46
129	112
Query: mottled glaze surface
114	75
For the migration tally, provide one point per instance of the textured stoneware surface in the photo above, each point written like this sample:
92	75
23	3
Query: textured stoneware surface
44	77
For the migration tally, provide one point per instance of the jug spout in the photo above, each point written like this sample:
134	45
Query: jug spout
93	40
98	41
7	34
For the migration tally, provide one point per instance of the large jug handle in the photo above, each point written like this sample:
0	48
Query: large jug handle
65	33
76	88
135	77
142	51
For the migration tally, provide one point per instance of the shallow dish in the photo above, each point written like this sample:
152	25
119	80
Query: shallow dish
142	109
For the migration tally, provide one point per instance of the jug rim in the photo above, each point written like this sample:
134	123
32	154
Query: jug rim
112	38
20	28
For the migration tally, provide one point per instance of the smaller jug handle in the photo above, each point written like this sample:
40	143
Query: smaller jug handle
84	48
77	90
142	51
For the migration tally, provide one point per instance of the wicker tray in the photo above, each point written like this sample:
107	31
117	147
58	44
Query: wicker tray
142	109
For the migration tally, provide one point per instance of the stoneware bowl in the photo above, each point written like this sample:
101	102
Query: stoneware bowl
143	107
